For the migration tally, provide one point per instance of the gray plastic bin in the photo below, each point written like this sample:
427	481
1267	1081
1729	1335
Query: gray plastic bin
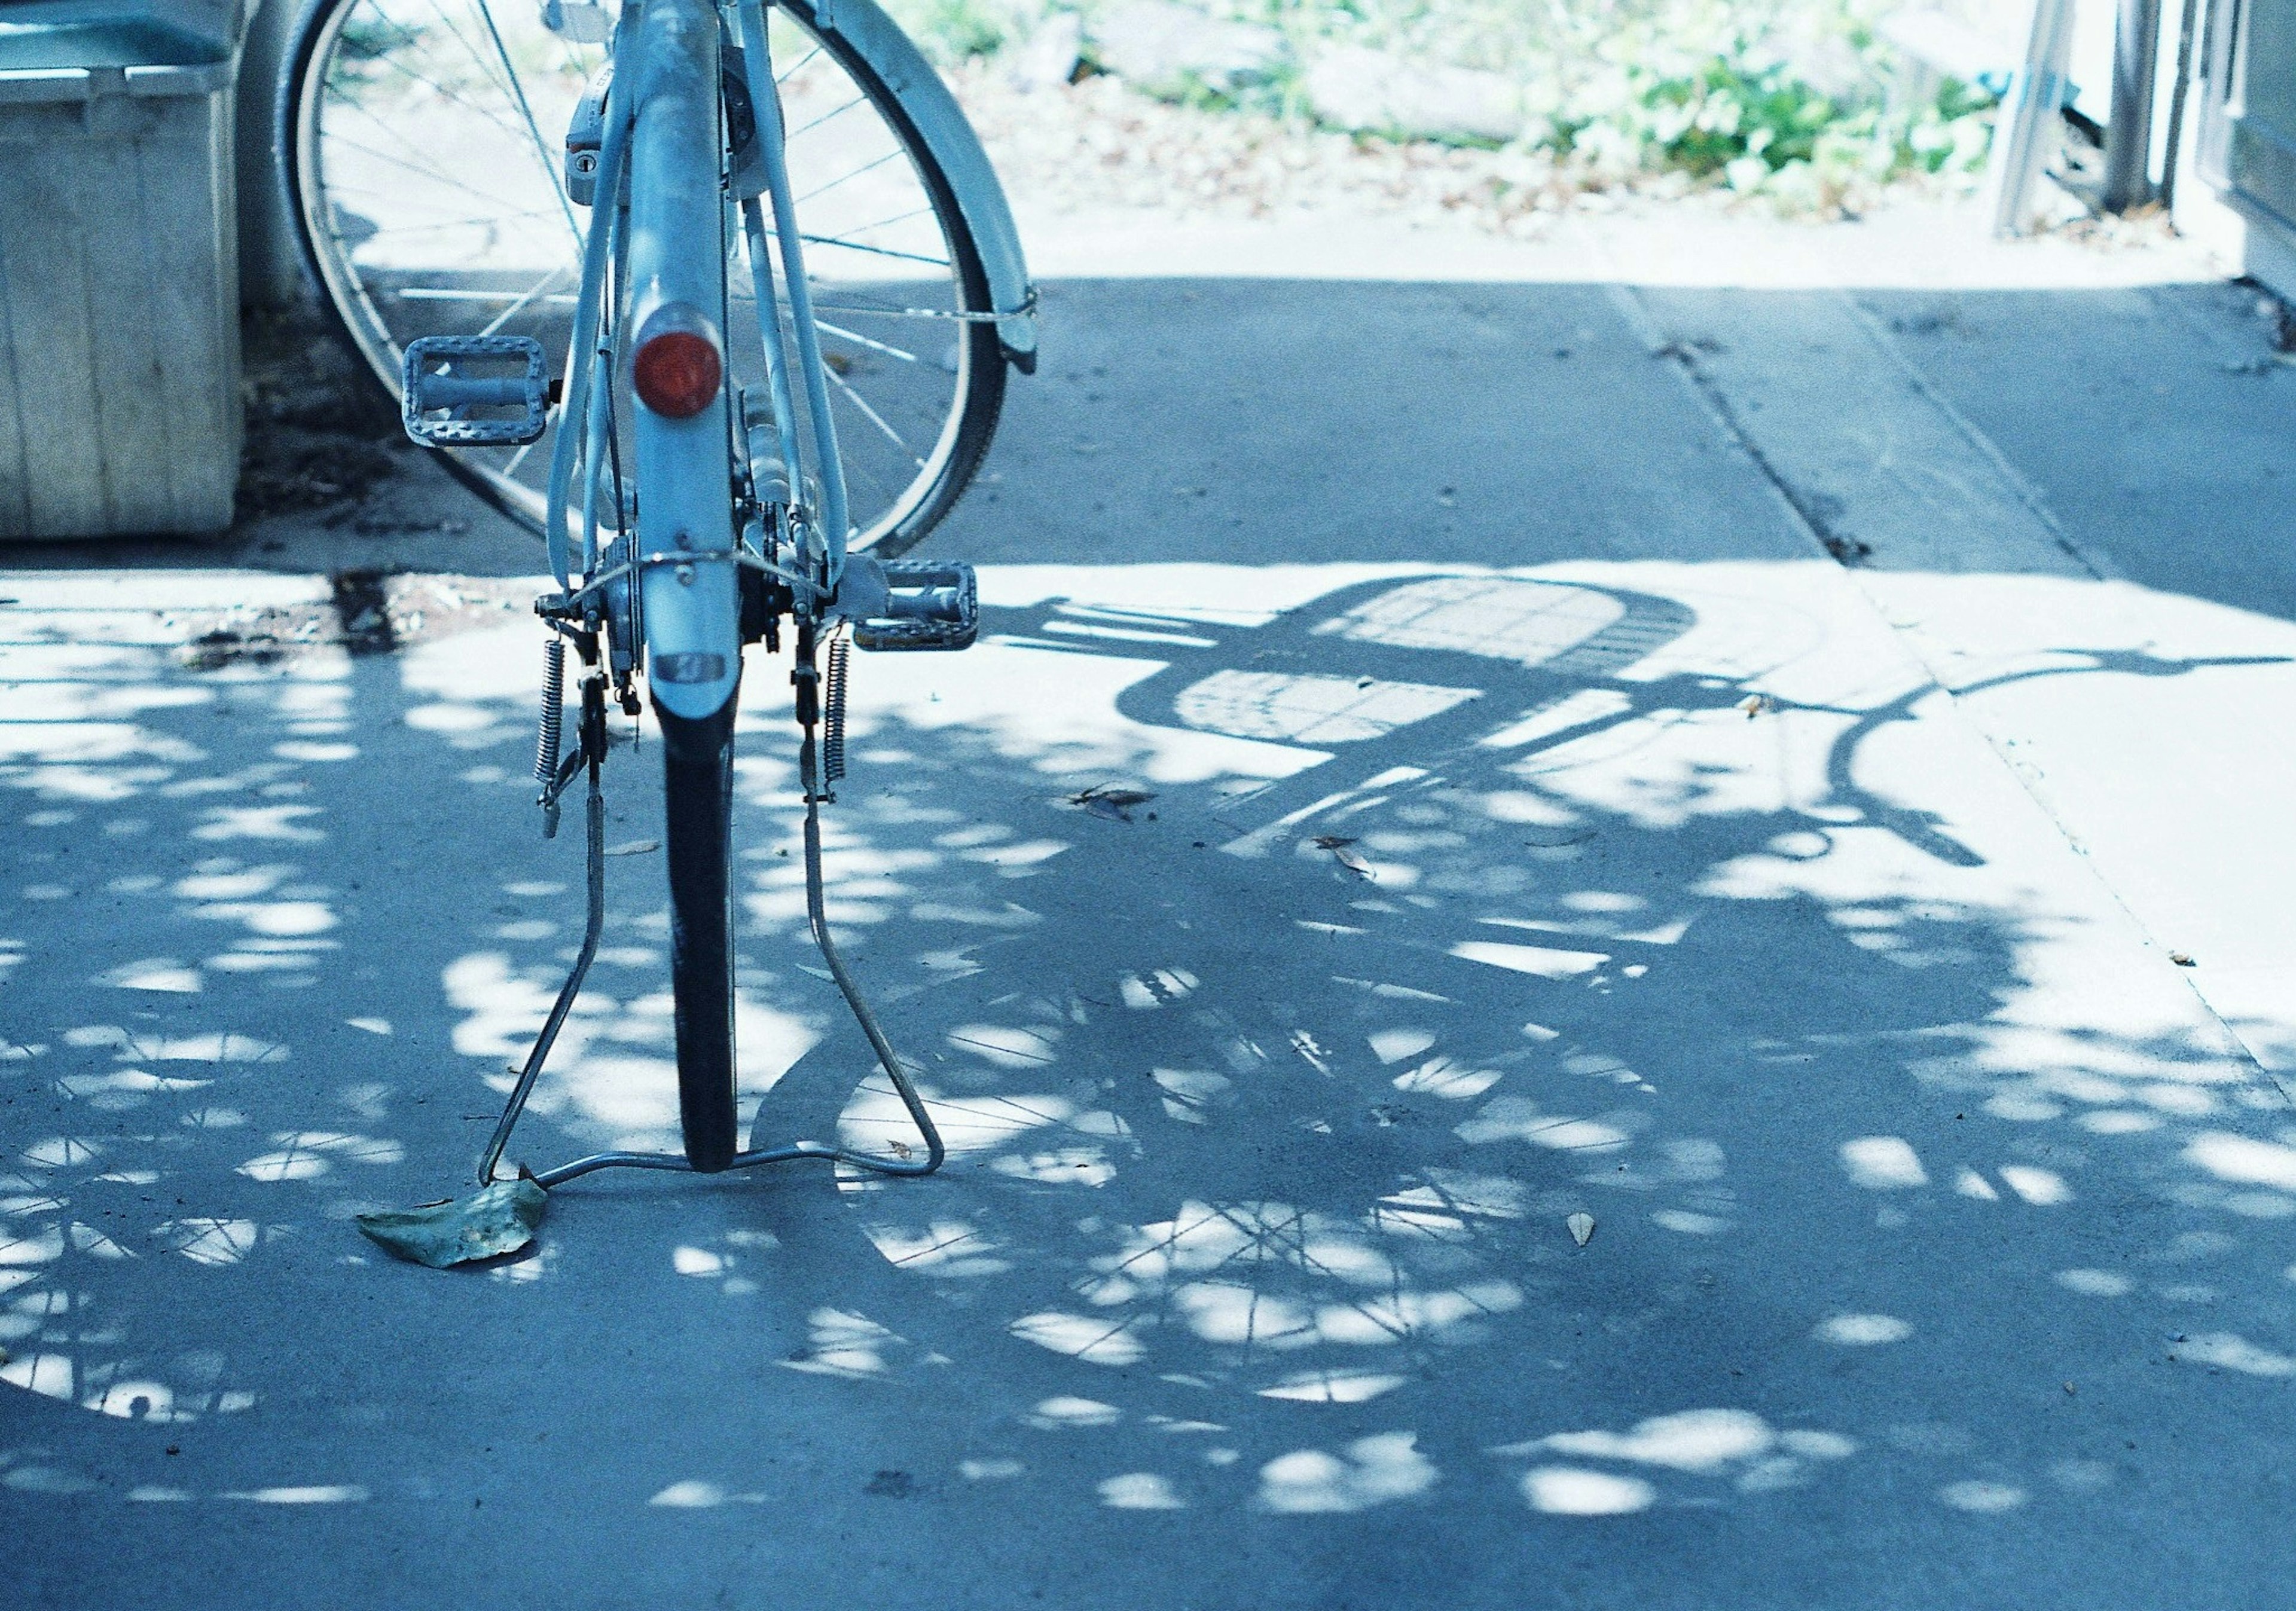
119	363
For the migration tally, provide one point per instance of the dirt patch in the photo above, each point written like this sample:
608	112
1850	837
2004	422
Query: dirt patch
260	641
321	432
284	471
1099	143
366	612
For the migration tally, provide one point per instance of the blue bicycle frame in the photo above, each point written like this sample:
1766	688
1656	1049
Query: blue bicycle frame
659	234
723	541
659	220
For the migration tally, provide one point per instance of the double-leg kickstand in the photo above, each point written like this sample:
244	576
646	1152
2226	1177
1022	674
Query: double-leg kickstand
589	757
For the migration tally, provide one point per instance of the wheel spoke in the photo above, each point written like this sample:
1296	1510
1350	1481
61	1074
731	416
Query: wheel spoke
871	415
856	337
508	313
419	104
807	128
436	225
470	48
541	146
899	217
446	92
849	176
881	251
953	315
421	169
445	293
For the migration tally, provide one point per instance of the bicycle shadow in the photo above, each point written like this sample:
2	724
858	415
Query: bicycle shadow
1268	1114
1656	901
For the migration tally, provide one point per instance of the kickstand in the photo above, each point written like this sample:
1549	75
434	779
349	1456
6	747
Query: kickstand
591	758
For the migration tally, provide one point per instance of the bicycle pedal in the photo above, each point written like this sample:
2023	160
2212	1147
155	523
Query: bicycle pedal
925	606
475	391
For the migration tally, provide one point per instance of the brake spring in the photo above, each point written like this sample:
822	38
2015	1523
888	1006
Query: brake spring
553	709
833	711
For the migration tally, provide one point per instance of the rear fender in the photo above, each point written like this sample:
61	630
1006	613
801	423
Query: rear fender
942	128
691	609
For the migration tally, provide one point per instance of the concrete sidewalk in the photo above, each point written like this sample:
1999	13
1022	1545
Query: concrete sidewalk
1543	822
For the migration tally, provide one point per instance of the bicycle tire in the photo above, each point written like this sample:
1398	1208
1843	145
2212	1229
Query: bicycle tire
369	310
697	809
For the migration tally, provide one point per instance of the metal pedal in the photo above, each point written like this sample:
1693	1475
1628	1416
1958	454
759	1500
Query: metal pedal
475	391
924	606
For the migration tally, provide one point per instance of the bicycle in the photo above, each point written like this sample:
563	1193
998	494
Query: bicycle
687	512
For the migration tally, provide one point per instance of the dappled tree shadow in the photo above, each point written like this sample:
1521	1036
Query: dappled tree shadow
1282	1094
1450	907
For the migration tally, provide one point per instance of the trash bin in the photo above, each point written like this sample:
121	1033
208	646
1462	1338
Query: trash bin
120	362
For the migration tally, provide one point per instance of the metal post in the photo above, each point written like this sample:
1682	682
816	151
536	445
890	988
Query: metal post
2174	153
2024	129
2128	127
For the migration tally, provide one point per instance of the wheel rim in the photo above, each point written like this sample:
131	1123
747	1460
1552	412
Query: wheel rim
425	169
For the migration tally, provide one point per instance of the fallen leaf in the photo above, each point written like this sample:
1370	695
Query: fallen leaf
493	1221
1753	705
1329	841
2183	958
1356	864
900	1149
634	848
1582	1228
1114	803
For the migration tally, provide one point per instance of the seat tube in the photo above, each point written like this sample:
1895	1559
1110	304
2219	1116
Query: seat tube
684	489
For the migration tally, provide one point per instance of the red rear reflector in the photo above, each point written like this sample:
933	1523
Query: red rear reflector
677	372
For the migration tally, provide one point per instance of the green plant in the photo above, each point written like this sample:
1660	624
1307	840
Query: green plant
1790	99
1703	90
951	31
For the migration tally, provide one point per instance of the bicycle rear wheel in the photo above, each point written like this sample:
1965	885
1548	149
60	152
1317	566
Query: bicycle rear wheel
421	145
697	801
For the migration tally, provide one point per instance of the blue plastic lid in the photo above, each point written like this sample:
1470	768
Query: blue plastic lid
43	36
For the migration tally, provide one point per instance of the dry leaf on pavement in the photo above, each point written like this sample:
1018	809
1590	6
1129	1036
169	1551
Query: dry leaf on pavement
1114	803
